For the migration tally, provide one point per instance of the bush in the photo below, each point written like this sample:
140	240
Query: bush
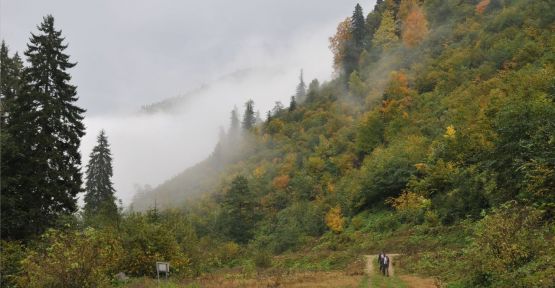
11	255
71	259
512	249
146	242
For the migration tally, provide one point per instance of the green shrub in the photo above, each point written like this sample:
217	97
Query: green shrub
11	255
71	259
512	248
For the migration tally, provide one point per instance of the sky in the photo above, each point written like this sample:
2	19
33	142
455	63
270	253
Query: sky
130	53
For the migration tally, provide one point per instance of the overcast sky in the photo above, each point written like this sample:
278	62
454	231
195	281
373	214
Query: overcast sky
132	52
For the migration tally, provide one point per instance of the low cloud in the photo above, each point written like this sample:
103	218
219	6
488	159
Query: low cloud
151	148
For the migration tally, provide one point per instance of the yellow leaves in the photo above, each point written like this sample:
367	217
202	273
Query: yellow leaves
334	219
409	201
331	187
385	36
420	166
450	132
259	171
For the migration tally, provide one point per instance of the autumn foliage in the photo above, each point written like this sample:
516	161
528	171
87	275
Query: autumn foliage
481	7
415	27
334	219
281	182
338	42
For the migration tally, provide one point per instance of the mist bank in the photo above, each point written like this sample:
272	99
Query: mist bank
149	148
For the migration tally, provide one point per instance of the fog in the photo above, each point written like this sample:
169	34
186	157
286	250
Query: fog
132	53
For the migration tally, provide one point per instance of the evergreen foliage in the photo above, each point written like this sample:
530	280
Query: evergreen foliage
13	219
249	118
47	127
301	88
99	197
234	123
292	104
239	211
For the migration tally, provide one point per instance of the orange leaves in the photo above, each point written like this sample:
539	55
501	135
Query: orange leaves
338	41
334	219
398	86
481	7
415	27
281	182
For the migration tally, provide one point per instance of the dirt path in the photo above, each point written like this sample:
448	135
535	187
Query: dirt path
411	280
372	259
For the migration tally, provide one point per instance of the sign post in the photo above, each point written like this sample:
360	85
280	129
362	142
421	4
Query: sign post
162	267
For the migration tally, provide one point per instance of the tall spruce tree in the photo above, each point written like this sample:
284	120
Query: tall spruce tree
356	43
13	212
99	197
249	118
49	130
358	28
301	88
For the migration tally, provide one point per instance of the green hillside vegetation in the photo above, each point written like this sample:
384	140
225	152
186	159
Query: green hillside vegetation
435	140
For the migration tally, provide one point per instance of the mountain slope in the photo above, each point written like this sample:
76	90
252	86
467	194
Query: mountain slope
448	119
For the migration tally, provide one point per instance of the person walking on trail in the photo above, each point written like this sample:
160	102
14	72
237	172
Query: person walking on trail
385	265
380	261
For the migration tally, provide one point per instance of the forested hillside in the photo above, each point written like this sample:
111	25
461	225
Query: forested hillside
435	139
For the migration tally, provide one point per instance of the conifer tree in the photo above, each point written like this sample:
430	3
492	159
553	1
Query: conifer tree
356	43
234	120
99	197
292	104
301	88
249	118
47	128
12	203
358	28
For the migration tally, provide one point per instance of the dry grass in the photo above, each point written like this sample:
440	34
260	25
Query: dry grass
296	280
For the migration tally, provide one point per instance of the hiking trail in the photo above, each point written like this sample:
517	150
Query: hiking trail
411	281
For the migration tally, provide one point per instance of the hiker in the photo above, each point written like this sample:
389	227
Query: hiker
380	260
385	265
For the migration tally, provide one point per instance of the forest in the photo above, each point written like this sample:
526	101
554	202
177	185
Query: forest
435	140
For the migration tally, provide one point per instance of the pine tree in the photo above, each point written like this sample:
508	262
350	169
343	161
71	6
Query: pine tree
301	88
99	197
13	212
234	120
358	28
356	44
292	104
249	119
49	131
